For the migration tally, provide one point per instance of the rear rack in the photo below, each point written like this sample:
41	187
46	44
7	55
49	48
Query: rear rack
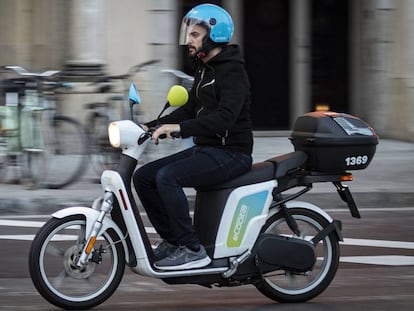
306	179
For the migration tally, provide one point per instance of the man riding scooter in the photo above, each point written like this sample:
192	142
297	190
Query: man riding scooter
217	116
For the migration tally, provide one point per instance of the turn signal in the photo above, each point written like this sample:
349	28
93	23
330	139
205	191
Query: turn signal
347	177
91	243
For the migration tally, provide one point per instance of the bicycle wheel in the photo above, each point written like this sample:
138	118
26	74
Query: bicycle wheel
4	160
34	164
102	155
53	264
66	144
287	286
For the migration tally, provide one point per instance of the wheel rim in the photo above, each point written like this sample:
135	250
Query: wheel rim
57	262
296	284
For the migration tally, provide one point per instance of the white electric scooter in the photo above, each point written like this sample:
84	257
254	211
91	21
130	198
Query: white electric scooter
289	250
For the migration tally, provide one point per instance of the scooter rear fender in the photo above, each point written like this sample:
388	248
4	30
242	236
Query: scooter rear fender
91	216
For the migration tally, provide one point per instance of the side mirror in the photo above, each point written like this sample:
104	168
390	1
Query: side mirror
177	96
134	96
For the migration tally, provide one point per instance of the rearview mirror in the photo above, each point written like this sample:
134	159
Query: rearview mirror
134	96
177	96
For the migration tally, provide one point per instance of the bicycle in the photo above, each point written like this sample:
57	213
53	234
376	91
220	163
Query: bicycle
50	149
102	155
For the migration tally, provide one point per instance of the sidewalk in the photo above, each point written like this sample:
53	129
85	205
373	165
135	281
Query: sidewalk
387	182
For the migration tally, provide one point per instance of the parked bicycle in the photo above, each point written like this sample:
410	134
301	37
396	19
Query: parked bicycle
48	149
102	155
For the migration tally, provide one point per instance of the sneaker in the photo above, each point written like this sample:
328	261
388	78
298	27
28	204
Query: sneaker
184	258
164	249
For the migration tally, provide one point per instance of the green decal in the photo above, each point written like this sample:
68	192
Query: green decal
247	208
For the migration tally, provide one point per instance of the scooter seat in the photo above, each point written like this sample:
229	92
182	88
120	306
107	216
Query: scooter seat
288	163
260	172
264	171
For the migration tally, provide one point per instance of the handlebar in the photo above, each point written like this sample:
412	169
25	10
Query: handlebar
148	134
133	70
23	72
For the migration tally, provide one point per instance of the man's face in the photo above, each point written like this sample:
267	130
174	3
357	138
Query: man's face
195	39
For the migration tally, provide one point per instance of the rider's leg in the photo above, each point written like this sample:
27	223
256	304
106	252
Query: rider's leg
207	166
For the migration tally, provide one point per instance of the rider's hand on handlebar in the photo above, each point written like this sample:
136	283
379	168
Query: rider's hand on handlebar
165	130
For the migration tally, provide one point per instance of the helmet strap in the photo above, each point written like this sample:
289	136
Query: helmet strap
206	47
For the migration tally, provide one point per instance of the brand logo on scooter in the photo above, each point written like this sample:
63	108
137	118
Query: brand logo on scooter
239	222
247	208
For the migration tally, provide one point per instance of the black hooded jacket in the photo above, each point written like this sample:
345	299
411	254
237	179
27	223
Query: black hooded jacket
218	111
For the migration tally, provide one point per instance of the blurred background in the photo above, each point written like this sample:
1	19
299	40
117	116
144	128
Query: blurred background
354	56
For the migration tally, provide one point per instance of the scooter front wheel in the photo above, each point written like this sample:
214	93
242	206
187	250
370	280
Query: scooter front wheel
54	270
288	286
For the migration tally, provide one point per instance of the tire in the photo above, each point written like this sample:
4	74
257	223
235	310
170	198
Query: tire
102	155
4	161
54	272
285	286
34	167
67	147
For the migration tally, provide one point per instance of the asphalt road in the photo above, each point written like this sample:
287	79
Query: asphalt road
377	260
376	272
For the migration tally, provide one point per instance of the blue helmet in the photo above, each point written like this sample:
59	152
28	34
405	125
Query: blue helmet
214	18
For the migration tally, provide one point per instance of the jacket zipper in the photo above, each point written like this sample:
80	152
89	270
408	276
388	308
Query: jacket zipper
198	86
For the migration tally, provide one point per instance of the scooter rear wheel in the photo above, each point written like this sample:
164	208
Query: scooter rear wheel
288	286
55	274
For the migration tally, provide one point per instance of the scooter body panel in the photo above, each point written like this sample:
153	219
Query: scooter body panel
229	221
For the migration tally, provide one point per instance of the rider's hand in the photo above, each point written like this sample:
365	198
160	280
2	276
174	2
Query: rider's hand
166	129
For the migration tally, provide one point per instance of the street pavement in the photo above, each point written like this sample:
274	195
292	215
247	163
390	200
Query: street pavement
387	182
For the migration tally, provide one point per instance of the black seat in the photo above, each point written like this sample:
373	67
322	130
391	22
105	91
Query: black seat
288	163
264	171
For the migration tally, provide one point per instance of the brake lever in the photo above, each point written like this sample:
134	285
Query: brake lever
143	137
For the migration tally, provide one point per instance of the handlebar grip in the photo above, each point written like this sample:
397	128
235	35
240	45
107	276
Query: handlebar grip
175	134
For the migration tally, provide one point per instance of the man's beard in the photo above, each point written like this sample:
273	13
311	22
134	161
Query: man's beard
192	51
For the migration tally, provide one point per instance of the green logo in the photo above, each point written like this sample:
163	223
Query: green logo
247	208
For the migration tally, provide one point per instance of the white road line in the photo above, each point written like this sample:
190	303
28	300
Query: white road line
387	260
329	210
347	241
378	243
21	223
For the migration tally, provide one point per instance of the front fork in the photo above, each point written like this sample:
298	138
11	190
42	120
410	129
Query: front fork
106	208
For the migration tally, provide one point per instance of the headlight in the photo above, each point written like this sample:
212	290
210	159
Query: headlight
114	135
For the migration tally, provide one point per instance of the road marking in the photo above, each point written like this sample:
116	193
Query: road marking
378	243
21	223
387	260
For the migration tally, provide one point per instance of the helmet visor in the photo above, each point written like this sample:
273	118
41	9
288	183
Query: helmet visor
189	27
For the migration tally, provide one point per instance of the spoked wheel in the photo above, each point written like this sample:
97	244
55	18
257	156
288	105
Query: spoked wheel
34	167
67	146
287	286
53	264
103	156
4	161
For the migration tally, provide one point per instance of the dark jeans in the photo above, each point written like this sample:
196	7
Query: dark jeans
160	183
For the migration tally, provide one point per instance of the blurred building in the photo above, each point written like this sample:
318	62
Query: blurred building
354	56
